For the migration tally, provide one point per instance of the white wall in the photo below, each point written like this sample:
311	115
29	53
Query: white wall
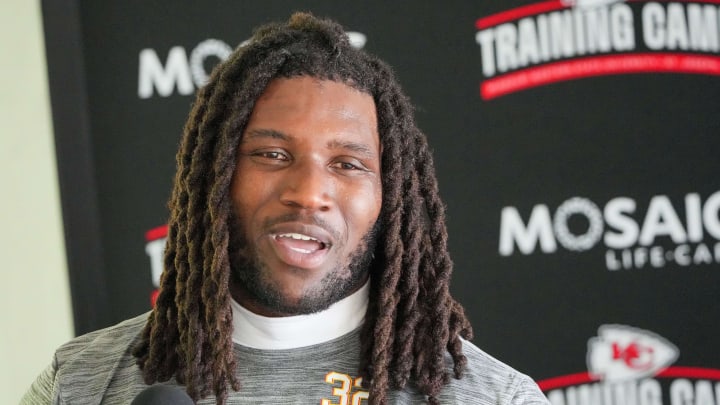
35	312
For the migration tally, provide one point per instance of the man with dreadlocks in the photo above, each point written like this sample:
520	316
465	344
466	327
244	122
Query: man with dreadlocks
306	257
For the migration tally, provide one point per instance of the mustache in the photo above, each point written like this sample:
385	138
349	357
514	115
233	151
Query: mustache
303	218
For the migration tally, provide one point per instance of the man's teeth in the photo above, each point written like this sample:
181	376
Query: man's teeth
298	236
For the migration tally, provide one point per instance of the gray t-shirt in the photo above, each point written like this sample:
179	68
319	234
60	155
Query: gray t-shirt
98	368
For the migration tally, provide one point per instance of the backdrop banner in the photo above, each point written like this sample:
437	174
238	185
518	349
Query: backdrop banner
575	143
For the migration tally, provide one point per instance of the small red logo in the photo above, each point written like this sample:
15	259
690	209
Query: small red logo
634	355
621	353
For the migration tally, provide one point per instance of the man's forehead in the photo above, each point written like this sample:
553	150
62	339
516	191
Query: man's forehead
308	99
328	88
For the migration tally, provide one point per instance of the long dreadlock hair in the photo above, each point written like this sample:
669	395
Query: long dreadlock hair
412	321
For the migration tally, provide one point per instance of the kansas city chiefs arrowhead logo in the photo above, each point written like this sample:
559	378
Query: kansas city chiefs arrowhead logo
621	353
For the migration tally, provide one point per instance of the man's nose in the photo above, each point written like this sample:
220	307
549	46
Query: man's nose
309	186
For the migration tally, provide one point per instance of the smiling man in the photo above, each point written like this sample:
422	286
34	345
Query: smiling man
306	259
307	193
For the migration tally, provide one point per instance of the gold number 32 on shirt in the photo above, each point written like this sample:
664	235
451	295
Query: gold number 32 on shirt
345	392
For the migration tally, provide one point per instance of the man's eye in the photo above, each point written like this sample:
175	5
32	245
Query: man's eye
272	155
349	166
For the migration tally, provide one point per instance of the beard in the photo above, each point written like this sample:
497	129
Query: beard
251	271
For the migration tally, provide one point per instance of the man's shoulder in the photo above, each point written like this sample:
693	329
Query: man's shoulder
487	380
480	363
83	368
107	342
99	364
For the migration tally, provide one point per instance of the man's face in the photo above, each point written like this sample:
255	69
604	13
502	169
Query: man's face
306	196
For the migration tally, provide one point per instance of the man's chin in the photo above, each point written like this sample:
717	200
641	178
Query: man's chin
315	298
275	305
272	297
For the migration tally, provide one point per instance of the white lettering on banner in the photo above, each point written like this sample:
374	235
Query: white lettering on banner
178	70
556	35
661	219
185	74
656	256
512	230
673	28
152	74
682	392
614	217
646	391
630	242
590	30
578	206
546	42
641	392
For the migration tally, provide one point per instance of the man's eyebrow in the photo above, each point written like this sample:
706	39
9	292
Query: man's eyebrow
260	133
265	133
352	146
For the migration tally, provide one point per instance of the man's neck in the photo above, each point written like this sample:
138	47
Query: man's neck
261	332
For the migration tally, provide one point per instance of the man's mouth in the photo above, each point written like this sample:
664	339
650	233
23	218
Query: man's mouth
301	246
300	243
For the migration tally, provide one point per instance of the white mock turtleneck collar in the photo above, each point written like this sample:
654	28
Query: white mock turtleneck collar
261	332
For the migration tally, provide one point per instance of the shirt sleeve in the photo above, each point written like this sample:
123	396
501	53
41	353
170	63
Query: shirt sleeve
41	390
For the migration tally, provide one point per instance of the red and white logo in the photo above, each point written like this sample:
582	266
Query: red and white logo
631	366
620	353
156	239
